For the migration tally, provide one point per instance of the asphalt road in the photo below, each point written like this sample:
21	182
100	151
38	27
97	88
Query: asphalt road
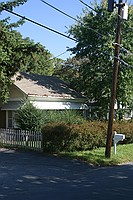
34	176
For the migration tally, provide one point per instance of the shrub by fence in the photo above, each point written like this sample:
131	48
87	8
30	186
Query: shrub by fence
64	137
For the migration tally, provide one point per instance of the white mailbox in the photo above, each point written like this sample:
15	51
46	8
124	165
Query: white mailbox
117	138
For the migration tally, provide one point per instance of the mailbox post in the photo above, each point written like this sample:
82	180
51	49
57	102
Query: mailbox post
117	138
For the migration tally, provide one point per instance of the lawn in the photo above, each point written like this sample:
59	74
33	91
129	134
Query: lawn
124	154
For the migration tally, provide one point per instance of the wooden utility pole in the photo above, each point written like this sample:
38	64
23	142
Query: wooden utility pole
114	82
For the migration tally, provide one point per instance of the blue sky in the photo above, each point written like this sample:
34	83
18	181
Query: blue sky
40	12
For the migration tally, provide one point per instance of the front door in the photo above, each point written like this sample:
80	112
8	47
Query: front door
2	119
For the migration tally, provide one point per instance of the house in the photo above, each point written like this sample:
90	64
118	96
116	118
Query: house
44	92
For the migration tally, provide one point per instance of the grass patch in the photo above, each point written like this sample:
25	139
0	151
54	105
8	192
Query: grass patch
96	157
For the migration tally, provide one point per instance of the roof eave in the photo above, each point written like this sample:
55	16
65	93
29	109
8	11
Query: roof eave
57	99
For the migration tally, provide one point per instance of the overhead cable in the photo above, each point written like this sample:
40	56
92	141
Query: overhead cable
120	60
59	10
123	48
77	19
124	63
43	26
59	55
104	53
39	24
88	6
72	18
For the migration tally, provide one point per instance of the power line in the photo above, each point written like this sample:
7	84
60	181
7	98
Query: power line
97	12
88	6
72	18
75	18
114	57
124	63
123	48
59	55
62	12
59	10
104	53
43	26
38	24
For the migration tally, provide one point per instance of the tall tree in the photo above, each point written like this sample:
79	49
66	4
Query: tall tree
11	4
37	58
7	43
95	33
18	54
67	70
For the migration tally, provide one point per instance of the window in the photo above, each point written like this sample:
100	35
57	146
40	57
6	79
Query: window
10	119
12	115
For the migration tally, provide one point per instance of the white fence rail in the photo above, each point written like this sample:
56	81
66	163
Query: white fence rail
25	139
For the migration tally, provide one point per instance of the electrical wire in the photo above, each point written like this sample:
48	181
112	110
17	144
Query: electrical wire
123	48
75	18
97	12
104	53
59	10
120	60
124	63
59	55
114	57
88	6
43	26
39	24
72	18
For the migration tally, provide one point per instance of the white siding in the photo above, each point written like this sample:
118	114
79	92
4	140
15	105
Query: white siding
58	105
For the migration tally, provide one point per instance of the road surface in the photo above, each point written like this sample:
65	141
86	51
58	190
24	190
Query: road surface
35	176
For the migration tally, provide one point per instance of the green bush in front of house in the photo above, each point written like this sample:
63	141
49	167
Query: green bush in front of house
59	137
65	116
29	117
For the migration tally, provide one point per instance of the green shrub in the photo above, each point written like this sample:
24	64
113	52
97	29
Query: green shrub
57	137
60	137
65	116
125	127
80	137
29	117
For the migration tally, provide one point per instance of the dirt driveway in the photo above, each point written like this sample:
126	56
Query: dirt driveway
34	176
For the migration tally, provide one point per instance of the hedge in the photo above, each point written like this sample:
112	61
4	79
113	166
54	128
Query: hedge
125	127
78	137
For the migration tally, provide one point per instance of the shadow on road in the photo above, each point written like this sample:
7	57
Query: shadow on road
34	176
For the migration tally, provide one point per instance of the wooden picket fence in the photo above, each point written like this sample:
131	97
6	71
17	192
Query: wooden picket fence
21	138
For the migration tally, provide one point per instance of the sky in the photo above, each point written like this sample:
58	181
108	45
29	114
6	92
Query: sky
43	14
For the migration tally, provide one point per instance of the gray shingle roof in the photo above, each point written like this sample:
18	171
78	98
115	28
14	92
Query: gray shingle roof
49	86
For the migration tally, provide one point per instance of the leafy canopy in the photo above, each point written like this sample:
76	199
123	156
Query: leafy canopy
95	33
18	54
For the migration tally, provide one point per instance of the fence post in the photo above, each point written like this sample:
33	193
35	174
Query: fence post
42	142
26	138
